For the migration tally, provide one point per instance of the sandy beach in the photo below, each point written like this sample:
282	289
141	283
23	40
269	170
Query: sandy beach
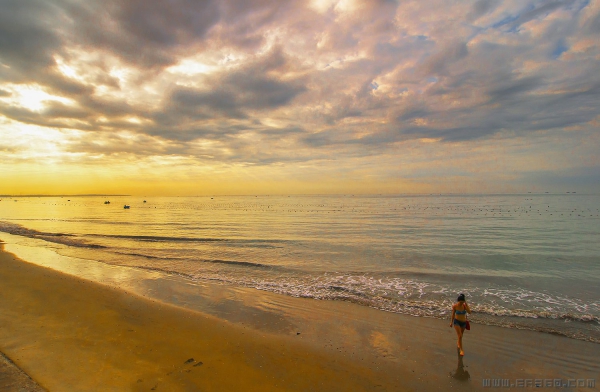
225	195
72	333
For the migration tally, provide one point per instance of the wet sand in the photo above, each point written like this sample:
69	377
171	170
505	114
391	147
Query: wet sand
69	333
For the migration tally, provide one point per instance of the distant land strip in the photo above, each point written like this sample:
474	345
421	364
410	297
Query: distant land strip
85	195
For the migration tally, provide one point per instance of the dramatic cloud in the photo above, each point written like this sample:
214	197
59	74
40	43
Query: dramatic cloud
363	90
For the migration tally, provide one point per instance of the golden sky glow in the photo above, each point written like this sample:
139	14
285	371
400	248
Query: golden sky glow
317	96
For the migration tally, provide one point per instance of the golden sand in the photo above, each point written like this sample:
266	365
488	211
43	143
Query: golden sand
70	334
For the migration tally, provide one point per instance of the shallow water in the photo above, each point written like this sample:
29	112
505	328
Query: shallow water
526	261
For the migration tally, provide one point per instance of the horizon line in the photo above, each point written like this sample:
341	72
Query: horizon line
309	194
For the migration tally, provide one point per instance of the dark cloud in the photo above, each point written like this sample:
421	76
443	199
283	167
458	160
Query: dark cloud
31	34
83	116
482	7
165	23
196	102
141	145
439	62
259	92
58	110
145	33
461	79
283	132
515	104
507	90
320	139
62	85
155	34
232	95
53	118
188	133
109	107
517	115
27	36
414	112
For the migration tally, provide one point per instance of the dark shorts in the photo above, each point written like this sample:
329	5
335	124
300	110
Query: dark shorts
461	324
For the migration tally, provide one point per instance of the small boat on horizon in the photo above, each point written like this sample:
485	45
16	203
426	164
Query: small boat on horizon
107	202
126	207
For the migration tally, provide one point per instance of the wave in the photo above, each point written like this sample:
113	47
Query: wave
419	299
73	240
149	257
150	238
212	261
59	238
576	319
408	296
237	263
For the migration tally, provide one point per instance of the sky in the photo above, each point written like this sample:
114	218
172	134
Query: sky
198	97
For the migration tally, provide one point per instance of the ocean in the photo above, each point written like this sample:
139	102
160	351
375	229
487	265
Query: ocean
529	261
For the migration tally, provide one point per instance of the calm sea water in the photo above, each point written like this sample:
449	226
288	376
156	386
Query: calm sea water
526	261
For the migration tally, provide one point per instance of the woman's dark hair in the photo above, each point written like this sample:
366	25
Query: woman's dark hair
461	297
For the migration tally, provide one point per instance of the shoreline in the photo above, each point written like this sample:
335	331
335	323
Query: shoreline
62	322
12	378
578	325
72	334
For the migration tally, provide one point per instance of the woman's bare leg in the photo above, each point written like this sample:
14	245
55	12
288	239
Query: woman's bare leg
459	333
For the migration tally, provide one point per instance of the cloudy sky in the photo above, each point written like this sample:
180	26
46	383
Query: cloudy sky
186	97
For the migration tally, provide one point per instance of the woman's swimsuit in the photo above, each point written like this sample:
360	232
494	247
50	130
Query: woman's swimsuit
461	324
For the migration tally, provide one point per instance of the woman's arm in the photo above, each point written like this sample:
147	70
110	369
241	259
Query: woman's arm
467	307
